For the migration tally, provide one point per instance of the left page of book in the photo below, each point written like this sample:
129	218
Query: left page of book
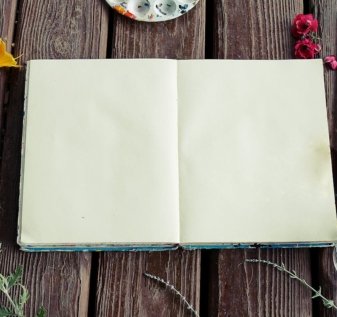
100	162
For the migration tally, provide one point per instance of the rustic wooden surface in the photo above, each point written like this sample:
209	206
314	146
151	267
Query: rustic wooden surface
46	29
7	23
219	283
325	271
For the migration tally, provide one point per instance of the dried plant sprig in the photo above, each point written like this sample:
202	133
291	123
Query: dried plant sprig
328	303
7	283
175	291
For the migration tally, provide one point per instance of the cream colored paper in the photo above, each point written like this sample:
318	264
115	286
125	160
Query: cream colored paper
100	161
100	153
254	152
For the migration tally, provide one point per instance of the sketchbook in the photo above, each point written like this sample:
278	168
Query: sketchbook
152	154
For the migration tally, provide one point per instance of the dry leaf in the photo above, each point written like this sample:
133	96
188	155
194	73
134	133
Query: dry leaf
6	58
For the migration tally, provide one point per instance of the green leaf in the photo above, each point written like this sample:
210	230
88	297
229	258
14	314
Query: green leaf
318	293
5	312
15	277
2	286
3	283
23	297
41	312
329	303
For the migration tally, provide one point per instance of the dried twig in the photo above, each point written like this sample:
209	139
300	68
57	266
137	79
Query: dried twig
292	274
175	291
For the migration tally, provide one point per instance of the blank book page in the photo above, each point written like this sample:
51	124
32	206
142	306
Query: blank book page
254	154
100	162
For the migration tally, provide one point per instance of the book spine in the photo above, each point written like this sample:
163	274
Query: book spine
23	148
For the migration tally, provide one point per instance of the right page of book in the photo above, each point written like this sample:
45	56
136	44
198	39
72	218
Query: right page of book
254	155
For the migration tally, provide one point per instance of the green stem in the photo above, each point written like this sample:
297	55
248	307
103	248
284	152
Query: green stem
174	290
5	291
328	303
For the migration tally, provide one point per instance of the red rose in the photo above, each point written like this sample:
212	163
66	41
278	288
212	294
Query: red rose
304	24
331	61
306	49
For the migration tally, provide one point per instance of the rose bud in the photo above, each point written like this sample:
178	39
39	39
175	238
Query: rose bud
306	49
303	24
331	62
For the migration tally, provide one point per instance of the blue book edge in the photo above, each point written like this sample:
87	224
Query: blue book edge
152	248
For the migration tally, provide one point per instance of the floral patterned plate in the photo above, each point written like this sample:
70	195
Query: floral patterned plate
152	10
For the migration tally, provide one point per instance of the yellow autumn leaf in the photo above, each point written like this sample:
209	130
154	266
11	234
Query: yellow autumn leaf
6	58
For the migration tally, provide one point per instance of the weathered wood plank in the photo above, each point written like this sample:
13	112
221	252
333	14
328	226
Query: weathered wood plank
325	11
248	289
182	38
7	23
122	289
325	273
46	29
7	19
254	29
250	29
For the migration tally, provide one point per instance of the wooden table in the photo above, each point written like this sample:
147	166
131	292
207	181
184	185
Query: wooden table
218	283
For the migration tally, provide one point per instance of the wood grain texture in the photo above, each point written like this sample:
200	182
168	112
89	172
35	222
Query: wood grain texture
325	274
7	23
239	288
326	11
255	29
121	287
7	20
46	29
182	38
123	290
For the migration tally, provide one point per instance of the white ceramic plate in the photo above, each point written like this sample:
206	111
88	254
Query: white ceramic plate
152	10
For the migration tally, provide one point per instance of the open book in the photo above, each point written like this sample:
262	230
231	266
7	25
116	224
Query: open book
152	154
